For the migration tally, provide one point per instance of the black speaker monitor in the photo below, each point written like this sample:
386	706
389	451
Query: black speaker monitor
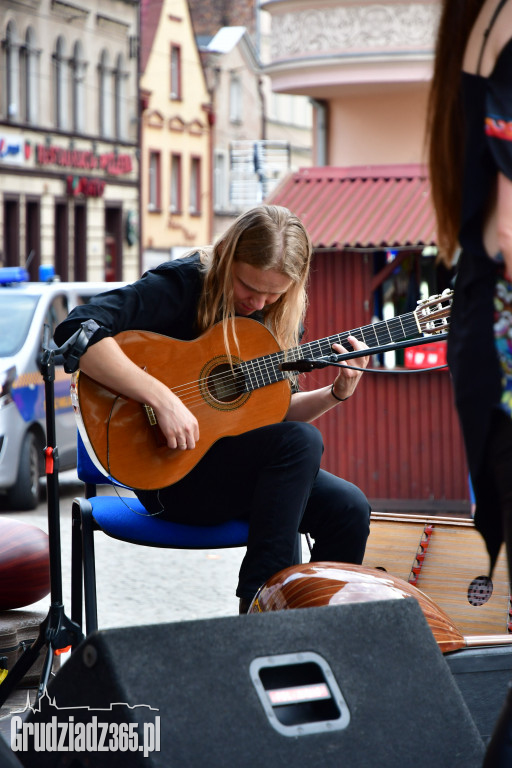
350	686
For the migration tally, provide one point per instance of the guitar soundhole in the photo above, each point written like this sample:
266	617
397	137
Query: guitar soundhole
480	590
226	385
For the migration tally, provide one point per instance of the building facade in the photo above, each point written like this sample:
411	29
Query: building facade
176	135
258	136
69	171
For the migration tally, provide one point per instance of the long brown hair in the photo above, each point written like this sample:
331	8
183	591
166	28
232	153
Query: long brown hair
445	124
266	237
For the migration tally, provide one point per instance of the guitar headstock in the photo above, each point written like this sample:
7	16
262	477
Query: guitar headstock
433	314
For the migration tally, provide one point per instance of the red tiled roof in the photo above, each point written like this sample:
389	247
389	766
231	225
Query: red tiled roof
365	206
150	12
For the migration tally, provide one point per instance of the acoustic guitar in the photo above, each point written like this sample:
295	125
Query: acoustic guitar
122	436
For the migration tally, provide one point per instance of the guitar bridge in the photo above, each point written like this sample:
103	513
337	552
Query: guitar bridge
156	431
150	414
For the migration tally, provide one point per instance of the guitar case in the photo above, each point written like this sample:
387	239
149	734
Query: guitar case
18	630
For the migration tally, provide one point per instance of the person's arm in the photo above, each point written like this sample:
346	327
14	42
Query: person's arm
307	406
106	363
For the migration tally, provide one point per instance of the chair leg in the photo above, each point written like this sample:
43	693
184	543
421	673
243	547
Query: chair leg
298	551
91	609
76	564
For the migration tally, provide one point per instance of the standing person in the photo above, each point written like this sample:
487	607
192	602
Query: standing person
471	173
269	476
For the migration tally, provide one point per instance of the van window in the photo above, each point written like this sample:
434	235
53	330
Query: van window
57	312
16	312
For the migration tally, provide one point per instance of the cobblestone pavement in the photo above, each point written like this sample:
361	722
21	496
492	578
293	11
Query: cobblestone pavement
144	585
137	585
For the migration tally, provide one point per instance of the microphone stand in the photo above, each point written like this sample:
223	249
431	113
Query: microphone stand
57	632
304	365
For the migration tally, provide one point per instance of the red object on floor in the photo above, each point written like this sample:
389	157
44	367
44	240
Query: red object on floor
24	564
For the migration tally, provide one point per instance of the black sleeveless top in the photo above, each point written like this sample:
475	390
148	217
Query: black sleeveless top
487	113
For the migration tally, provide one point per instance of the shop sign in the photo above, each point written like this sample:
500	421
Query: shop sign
12	149
112	163
81	186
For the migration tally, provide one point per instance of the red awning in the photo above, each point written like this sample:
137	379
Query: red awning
361	207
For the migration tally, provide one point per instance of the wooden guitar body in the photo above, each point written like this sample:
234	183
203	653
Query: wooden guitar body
317	584
117	433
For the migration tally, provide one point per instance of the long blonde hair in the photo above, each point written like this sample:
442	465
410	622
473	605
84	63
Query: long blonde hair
265	237
445	125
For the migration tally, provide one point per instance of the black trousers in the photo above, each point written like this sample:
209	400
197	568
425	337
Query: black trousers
271	477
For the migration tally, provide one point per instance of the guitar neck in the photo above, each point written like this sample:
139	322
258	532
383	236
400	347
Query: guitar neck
265	370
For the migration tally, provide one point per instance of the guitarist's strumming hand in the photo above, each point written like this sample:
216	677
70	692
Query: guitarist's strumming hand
347	379
106	363
178	425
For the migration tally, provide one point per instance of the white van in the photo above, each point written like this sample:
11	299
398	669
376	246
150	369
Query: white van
25	308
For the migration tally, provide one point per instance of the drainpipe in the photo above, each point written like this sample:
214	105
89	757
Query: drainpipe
210	115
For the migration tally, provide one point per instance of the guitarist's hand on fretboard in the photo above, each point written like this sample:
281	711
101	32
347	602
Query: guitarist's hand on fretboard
348	379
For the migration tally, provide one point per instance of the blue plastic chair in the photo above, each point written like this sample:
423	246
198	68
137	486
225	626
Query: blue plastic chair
125	518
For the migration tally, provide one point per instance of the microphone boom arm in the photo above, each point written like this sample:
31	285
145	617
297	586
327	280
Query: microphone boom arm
305	365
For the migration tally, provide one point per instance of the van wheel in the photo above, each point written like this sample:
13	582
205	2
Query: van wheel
24	494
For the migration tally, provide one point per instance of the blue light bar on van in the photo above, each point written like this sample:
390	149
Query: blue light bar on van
10	275
46	272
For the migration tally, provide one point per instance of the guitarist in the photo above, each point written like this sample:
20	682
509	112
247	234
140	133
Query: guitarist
271	476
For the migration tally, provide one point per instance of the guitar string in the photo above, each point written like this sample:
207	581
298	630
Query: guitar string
230	387
196	398
264	362
263	365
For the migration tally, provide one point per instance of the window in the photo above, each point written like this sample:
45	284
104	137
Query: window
220	181
235	99
175	72
154	181
120	98
12	65
195	186
78	66
175	192
106	96
30	78
60	84
415	276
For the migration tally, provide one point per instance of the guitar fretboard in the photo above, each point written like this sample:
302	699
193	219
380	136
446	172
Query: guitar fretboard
265	370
